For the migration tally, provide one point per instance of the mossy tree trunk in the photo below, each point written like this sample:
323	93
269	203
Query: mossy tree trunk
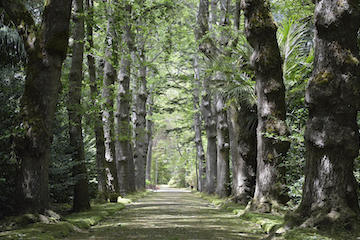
123	143
272	147
81	193
141	144
197	128
110	63
96	113
223	188
332	135
243	151
206	46
149	133
46	47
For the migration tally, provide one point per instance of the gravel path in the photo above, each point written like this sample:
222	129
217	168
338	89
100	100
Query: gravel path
172	214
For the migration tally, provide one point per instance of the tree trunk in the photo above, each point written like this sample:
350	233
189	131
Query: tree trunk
208	112
124	155
81	193
331	136
207	47
108	107
197	128
223	188
97	118
46	47
271	147
149	132
243	152
140	124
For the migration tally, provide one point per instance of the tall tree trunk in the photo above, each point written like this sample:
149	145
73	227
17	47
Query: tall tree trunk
149	132
332	135
108	107
140	124
243	152
223	188
81	193
208	112
46	47
124	155
197	128
207	47
94	92
271	148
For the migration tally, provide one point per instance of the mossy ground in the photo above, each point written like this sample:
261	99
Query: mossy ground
171	214
271	223
26	226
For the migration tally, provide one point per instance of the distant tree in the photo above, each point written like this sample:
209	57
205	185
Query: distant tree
46	46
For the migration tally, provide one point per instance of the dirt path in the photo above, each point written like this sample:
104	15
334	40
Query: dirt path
172	214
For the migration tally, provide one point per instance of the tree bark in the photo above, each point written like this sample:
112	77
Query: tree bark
123	144
243	152
223	188
197	128
108	106
260	31
141	145
149	132
331	136
97	118
207	47
46	47
208	112
81	193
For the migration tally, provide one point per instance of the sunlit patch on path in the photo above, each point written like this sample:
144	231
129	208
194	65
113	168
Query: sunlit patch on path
172	214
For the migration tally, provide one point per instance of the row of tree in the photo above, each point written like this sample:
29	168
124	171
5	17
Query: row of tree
259	157
117	96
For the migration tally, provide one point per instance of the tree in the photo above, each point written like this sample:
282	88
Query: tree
141	146
94	92
123	143
110	62
223	188
197	128
332	137
81	192
260	31
45	46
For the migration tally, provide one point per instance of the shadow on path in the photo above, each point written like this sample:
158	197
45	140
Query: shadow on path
172	214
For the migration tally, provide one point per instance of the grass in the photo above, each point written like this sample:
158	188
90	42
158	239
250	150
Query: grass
271	223
28	226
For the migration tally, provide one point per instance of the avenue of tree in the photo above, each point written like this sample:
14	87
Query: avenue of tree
253	99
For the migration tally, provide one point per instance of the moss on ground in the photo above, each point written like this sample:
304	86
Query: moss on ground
28	226
274	224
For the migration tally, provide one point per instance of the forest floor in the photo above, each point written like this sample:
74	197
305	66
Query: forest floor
173	214
168	214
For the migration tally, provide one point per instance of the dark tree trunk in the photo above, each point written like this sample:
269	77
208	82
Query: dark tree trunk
141	145
96	118
209	115
123	144
46	47
332	135
223	188
271	148
207	47
243	152
81	193
197	128
108	107
149	132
